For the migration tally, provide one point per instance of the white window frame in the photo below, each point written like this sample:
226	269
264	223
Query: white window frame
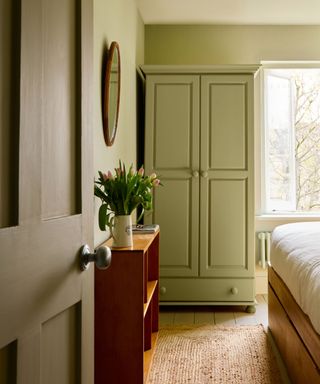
269	65
281	205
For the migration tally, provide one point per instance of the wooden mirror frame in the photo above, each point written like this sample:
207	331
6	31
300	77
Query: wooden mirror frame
110	127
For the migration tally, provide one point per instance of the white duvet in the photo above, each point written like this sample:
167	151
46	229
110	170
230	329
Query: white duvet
295	256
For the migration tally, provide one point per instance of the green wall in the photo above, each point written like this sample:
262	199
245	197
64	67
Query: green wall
116	20
229	44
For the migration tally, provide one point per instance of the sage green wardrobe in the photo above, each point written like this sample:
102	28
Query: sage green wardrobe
199	140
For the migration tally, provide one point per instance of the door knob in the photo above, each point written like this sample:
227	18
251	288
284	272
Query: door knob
195	174
101	257
234	290
204	174
163	290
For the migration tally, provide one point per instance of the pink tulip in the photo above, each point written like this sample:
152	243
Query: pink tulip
153	176
141	171
156	182
105	177
118	171
110	177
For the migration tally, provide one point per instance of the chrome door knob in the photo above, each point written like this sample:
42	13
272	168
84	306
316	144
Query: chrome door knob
101	257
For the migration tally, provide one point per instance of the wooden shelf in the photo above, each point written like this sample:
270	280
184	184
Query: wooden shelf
148	355
127	312
151	286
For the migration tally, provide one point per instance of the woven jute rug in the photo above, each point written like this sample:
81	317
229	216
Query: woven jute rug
201	354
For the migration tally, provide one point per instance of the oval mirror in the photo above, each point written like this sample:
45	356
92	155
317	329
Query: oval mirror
111	94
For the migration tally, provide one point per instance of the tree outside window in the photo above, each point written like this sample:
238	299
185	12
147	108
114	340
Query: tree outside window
292	140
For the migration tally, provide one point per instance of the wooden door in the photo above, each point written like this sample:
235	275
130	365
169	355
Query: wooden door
226	186
172	152
46	302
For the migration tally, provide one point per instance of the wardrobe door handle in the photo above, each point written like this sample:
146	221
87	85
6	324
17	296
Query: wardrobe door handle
195	174
204	174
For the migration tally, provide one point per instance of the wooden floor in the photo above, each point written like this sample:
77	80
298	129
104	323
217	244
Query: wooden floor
224	315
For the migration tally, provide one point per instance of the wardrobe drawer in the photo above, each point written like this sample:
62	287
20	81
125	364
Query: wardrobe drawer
216	291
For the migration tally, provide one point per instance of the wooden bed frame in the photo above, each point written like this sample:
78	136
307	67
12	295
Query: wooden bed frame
296	339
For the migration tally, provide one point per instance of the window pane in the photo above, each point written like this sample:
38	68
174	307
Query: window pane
307	126
280	170
292	140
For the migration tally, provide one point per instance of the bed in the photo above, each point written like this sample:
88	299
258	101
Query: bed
294	298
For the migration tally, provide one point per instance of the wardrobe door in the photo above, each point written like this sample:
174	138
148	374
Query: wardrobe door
172	152
226	176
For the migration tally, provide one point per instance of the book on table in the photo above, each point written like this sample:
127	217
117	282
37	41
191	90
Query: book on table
145	228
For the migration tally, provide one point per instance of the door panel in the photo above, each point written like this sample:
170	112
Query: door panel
173	125
61	346
9	113
179	247
62	112
227	126
227	198
227	241
172	152
172	117
8	363
45	298
226	105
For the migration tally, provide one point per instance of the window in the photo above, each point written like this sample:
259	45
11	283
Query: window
292	140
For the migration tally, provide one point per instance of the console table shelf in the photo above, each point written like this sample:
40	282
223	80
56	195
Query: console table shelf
126	312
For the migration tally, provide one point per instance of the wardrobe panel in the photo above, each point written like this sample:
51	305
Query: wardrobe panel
172	111
175	211
227	247
226	123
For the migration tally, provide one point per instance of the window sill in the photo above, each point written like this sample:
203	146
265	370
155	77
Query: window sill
288	217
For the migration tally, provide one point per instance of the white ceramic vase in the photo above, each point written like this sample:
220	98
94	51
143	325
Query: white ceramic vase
122	231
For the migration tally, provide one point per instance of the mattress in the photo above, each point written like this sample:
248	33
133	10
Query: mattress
295	256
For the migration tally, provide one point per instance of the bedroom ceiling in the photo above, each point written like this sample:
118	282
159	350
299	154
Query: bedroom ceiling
283	12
